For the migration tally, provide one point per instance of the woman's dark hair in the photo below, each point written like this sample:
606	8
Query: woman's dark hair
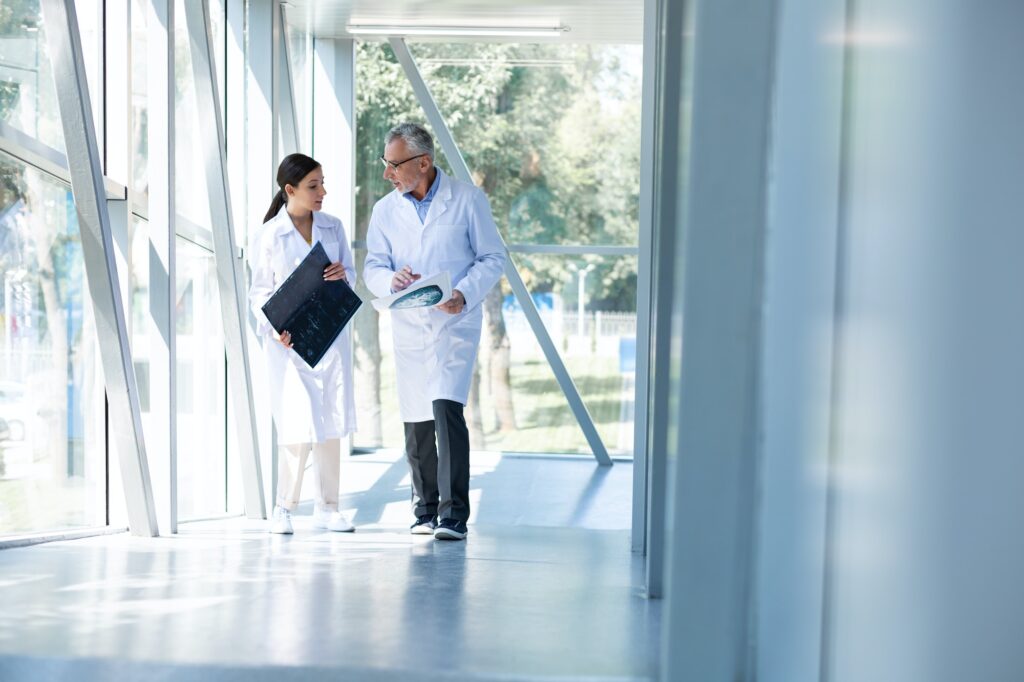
293	168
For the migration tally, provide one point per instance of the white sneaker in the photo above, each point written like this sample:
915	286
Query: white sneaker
281	521
332	520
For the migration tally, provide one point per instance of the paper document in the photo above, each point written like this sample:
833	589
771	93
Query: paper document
420	294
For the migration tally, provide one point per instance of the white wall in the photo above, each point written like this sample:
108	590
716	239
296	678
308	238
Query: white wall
889	366
797	338
928	553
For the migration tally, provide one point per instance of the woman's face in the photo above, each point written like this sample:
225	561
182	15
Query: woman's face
309	194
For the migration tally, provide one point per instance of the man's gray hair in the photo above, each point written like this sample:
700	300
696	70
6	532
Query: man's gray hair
416	138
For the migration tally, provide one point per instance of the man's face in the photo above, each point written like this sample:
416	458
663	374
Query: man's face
408	175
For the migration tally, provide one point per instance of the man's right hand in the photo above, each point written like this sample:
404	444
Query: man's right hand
403	278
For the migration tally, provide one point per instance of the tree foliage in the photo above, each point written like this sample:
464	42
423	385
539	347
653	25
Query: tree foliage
550	132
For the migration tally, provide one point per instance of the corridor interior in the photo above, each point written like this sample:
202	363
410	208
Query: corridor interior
546	587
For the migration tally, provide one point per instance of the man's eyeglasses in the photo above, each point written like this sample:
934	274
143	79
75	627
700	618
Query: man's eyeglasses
395	164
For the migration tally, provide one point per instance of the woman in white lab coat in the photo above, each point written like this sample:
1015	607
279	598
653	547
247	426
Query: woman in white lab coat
313	408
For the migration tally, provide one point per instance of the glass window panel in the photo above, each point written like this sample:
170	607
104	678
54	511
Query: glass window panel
597	347
192	200
140	328
218	20
52	453
300	48
28	99
202	397
139	97
552	134
518	405
90	20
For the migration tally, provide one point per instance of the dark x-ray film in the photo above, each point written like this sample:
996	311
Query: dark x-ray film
312	310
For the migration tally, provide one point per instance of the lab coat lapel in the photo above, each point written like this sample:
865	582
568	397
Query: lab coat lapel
407	213
292	244
322	228
441	200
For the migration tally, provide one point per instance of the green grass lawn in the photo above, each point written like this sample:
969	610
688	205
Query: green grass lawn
544	421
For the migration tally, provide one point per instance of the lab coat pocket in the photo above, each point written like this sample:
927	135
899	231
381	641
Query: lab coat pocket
331	249
452	241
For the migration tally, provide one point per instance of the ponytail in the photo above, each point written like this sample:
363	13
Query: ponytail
280	199
292	170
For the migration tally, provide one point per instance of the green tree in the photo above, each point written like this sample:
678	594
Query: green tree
550	133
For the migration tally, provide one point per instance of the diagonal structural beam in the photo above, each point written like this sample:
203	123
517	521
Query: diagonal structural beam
229	274
124	418
451	151
288	118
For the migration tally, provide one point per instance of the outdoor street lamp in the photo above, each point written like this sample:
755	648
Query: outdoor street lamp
581	297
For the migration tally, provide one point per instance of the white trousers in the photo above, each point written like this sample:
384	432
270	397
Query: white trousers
291	464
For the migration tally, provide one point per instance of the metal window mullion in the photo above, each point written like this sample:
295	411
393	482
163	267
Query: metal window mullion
461	170
645	278
229	275
125	423
33	152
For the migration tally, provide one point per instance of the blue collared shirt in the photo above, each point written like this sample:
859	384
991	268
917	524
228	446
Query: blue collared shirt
422	206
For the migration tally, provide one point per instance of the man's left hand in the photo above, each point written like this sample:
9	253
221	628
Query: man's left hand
455	304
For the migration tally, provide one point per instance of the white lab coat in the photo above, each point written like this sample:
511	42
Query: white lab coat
435	351
309	405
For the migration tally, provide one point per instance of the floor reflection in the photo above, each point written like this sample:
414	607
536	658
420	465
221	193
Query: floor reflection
516	600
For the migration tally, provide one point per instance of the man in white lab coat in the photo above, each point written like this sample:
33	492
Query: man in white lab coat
429	224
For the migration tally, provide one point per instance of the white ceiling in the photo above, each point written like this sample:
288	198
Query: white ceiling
589	21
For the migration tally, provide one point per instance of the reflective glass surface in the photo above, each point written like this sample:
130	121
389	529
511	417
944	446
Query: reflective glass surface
51	390
517	405
202	401
28	99
139	98
551	133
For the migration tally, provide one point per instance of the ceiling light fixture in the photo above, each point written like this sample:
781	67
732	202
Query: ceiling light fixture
521	31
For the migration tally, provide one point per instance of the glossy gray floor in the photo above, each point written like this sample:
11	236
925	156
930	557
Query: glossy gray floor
544	588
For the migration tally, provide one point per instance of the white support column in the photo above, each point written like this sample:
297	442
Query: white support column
230	277
461	170
236	140
645	277
260	187
334	131
286	117
334	123
798	338
125	421
260	157
163	417
713	421
669	142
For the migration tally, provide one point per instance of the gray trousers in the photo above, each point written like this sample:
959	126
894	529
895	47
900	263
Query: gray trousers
438	455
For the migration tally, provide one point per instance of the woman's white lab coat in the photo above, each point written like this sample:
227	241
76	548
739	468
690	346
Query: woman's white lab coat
435	351
310	405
